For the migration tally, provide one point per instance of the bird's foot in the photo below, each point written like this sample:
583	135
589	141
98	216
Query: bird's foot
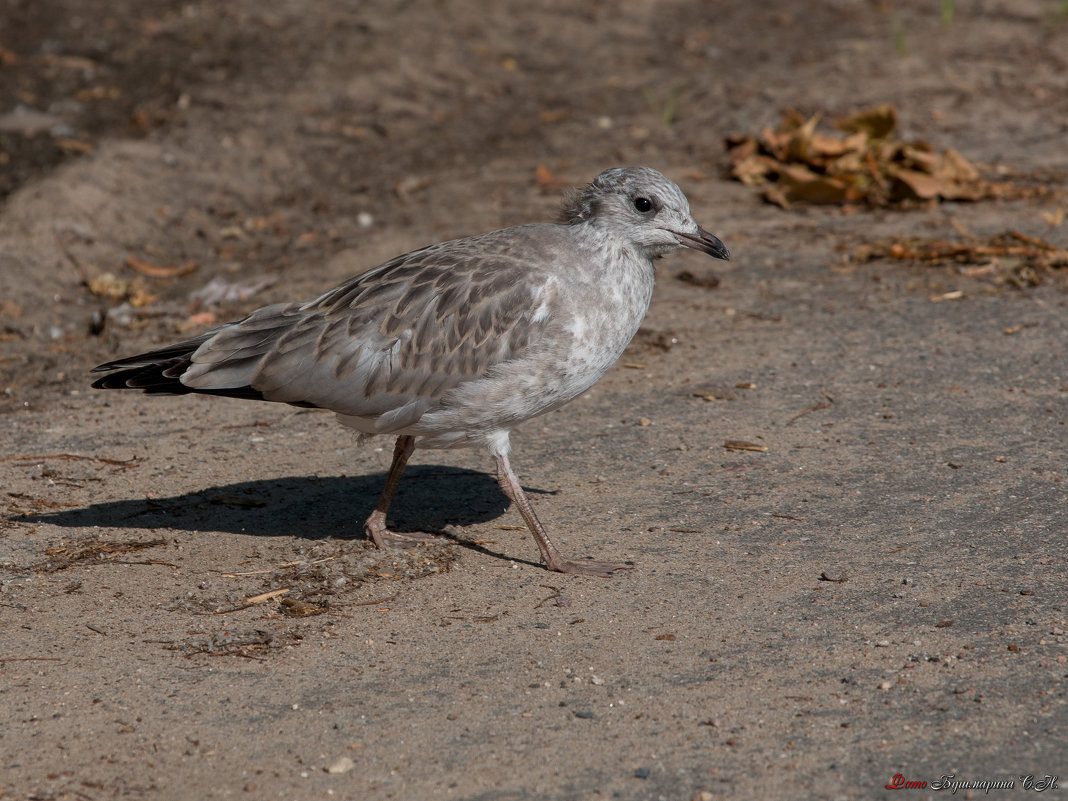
384	538
586	567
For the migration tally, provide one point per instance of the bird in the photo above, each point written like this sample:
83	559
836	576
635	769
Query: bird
457	343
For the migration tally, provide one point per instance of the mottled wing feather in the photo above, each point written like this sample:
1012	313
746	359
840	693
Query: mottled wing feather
390	342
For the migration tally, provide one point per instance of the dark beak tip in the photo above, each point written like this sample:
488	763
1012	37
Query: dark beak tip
706	243
716	247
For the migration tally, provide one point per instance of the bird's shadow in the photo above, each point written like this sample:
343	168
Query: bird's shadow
428	499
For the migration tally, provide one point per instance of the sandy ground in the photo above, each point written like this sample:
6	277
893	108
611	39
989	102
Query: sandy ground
188	609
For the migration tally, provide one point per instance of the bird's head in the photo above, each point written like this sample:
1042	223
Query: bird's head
645	209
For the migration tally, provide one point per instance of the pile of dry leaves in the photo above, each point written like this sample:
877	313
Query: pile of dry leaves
797	164
1010	258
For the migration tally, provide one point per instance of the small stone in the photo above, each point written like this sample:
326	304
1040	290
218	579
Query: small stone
641	773
340	765
585	714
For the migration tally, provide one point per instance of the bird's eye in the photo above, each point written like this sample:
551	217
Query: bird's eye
643	204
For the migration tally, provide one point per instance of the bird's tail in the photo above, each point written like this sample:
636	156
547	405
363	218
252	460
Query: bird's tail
155	372
158	372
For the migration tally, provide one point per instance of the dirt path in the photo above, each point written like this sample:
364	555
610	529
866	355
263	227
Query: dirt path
187	608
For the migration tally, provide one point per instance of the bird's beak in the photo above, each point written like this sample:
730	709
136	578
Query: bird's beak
704	242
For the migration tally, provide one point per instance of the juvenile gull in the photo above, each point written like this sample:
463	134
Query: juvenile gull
457	343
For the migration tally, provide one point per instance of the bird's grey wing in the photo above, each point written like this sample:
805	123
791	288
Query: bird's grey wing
389	343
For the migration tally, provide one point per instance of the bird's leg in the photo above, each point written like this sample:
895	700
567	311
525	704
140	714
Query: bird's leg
549	555
375	527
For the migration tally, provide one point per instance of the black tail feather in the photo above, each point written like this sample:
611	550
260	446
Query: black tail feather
159	372
163	379
150	378
178	353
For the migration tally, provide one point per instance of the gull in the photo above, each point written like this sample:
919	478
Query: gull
457	343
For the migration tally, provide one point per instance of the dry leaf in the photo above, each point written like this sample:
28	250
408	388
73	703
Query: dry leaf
109	287
1010	257
546	179
198	320
71	146
159	271
798	164
291	607
1054	218
914	185
877	122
